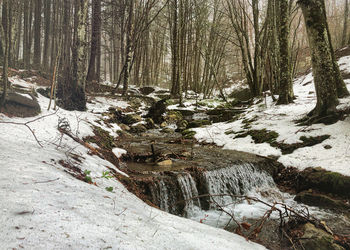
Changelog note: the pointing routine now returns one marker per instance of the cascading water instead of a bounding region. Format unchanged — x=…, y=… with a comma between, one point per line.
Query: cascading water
x=178, y=194
x=189, y=192
x=238, y=179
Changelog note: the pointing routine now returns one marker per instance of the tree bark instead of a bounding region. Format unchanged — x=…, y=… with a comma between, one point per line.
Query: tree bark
x=285, y=96
x=322, y=63
x=95, y=42
x=37, y=35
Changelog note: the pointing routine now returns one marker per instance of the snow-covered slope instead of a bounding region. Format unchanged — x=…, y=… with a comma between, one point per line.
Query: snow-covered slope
x=282, y=120
x=43, y=207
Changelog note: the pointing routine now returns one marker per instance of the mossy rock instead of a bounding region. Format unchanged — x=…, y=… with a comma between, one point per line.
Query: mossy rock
x=198, y=123
x=320, y=200
x=181, y=125
x=241, y=94
x=306, y=142
x=150, y=123
x=167, y=130
x=260, y=136
x=324, y=181
x=146, y=90
x=223, y=114
x=102, y=138
x=185, y=112
x=172, y=102
x=188, y=134
x=173, y=117
x=138, y=129
x=317, y=239
x=131, y=119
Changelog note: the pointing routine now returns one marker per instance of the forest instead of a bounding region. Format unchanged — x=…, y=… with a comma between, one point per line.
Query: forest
x=175, y=124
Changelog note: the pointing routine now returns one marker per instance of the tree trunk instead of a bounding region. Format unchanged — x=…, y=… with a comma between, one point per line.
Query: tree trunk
x=95, y=42
x=47, y=10
x=6, y=28
x=37, y=35
x=285, y=96
x=322, y=64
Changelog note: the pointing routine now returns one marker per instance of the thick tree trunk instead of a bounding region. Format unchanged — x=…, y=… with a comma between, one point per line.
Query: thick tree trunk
x=95, y=42
x=285, y=96
x=322, y=63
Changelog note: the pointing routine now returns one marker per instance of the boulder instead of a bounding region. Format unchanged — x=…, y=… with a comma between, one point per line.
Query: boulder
x=198, y=123
x=321, y=200
x=150, y=123
x=317, y=239
x=324, y=181
x=21, y=105
x=156, y=111
x=146, y=90
x=242, y=95
x=131, y=119
x=138, y=129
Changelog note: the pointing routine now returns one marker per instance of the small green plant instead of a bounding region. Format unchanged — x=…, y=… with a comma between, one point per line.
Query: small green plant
x=87, y=177
x=107, y=175
x=109, y=189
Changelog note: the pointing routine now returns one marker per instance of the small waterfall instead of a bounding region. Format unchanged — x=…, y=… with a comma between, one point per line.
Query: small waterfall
x=189, y=192
x=170, y=190
x=235, y=180
x=160, y=195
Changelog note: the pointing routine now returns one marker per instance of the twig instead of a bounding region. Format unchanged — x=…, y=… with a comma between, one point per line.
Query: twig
x=36, y=182
x=28, y=122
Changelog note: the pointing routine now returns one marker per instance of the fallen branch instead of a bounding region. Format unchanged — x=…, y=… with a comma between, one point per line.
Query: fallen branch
x=30, y=129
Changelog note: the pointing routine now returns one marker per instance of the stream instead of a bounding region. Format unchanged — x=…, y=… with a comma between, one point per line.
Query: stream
x=206, y=184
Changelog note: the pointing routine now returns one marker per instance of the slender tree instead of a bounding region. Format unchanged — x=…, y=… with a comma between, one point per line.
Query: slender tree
x=286, y=85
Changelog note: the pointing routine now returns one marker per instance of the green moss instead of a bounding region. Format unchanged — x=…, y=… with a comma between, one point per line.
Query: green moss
x=102, y=138
x=188, y=134
x=260, y=136
x=198, y=123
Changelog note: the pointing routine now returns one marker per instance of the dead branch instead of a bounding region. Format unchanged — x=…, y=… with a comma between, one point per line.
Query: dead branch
x=28, y=122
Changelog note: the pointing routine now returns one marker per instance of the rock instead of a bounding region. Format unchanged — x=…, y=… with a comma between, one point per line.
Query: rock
x=241, y=94
x=167, y=130
x=173, y=117
x=320, y=200
x=138, y=129
x=21, y=106
x=184, y=112
x=198, y=123
x=131, y=119
x=146, y=90
x=181, y=125
x=317, y=239
x=327, y=146
x=44, y=92
x=150, y=123
x=223, y=114
x=188, y=134
x=165, y=163
x=156, y=111
x=124, y=127
x=324, y=181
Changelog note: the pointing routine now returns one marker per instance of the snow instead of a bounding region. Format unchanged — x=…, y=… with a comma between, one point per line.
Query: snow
x=43, y=207
x=282, y=120
x=119, y=152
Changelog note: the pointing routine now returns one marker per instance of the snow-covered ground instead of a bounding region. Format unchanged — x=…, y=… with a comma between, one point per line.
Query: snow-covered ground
x=282, y=120
x=43, y=207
